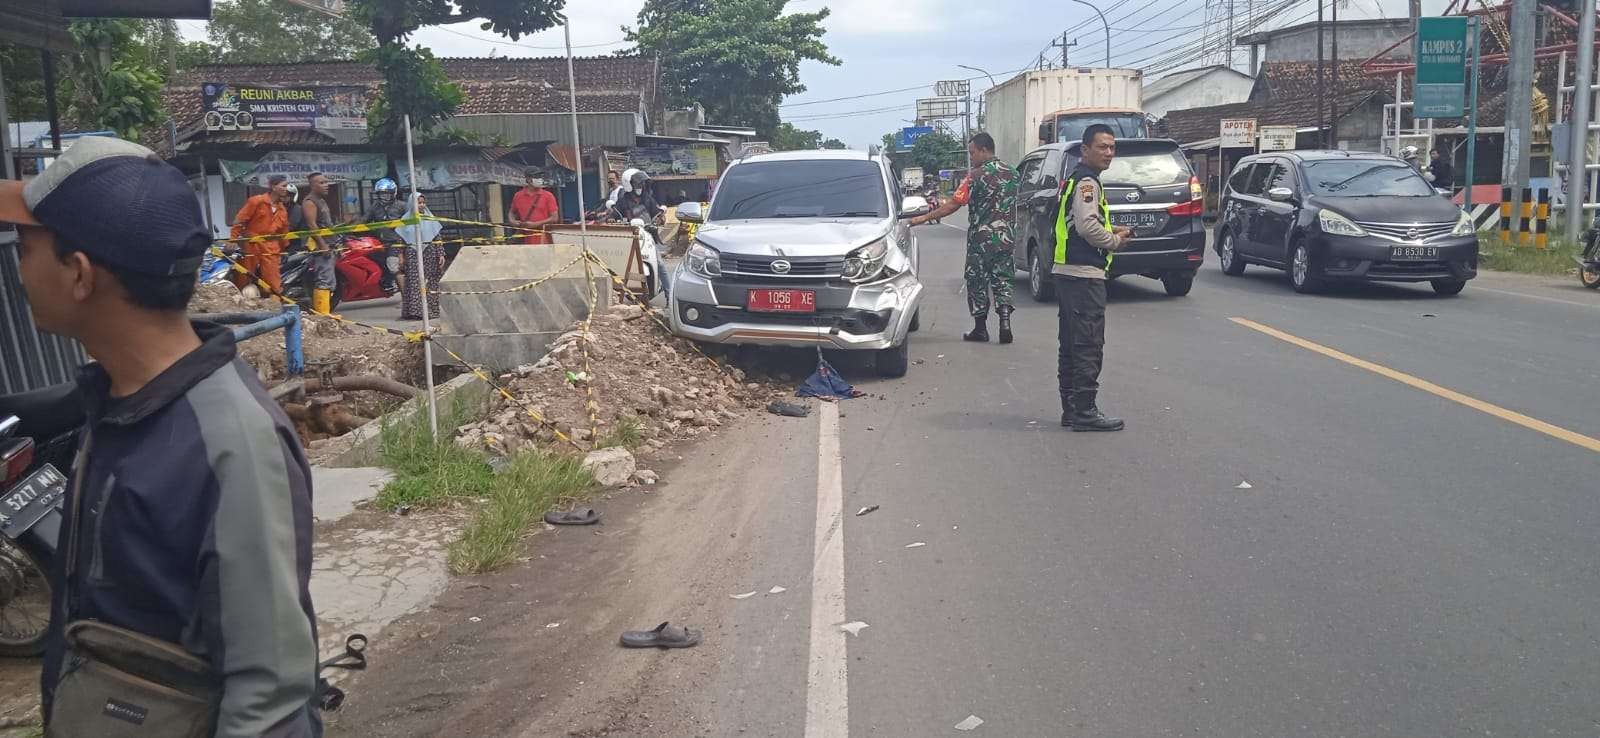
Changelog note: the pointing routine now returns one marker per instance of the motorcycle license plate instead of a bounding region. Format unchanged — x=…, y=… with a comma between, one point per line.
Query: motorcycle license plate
x=30, y=499
x=1414, y=253
x=783, y=301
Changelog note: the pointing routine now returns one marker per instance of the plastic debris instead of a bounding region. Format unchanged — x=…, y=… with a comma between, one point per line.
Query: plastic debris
x=971, y=723
x=865, y=510
x=474, y=619
x=552, y=625
x=853, y=628
x=777, y=590
x=918, y=544
x=744, y=596
x=1244, y=485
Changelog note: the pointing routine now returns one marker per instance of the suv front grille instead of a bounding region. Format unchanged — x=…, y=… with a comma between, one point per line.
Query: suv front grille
x=800, y=267
x=1408, y=231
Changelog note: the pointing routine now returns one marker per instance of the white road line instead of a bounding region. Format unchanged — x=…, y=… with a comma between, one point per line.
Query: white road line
x=1590, y=305
x=827, y=690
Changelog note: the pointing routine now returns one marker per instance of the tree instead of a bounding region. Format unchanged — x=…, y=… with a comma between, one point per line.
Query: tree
x=274, y=31
x=834, y=143
x=785, y=137
x=738, y=58
x=112, y=83
x=24, y=79
x=413, y=80
x=936, y=151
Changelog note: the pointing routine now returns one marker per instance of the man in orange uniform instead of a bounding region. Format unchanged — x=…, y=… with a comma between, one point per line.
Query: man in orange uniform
x=534, y=207
x=262, y=215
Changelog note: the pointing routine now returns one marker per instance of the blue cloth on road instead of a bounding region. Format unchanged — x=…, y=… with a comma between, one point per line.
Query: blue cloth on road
x=825, y=382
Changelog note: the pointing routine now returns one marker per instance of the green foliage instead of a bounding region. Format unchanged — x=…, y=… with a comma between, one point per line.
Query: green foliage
x=786, y=137
x=274, y=31
x=24, y=82
x=834, y=143
x=415, y=83
x=935, y=151
x=113, y=83
x=738, y=58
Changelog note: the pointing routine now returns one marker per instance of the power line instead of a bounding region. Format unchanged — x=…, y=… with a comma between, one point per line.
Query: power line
x=853, y=97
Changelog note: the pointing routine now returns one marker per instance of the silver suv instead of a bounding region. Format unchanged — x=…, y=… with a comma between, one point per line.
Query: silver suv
x=803, y=248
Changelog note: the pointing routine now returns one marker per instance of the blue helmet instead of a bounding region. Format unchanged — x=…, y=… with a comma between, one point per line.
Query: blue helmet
x=385, y=185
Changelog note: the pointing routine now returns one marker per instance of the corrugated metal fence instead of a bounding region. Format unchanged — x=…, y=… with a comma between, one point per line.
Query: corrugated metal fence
x=28, y=359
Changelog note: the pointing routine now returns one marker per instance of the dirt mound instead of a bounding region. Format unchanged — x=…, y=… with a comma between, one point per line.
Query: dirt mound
x=650, y=389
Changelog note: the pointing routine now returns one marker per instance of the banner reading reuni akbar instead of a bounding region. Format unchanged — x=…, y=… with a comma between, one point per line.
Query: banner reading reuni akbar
x=243, y=107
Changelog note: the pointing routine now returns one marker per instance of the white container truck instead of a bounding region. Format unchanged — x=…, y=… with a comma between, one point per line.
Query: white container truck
x=911, y=178
x=1050, y=105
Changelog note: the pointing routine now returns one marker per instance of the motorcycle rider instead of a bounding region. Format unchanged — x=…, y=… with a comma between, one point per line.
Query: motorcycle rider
x=635, y=200
x=189, y=520
x=386, y=205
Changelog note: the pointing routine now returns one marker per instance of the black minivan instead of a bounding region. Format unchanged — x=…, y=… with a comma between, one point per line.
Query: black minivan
x=1149, y=188
x=1342, y=215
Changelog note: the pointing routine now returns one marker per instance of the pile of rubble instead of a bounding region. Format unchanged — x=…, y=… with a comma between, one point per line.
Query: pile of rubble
x=659, y=386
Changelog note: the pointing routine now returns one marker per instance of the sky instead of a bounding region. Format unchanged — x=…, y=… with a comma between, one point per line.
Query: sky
x=889, y=45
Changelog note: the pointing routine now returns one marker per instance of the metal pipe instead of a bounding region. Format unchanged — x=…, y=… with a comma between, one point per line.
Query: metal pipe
x=422, y=282
x=1472, y=108
x=47, y=61
x=1579, y=128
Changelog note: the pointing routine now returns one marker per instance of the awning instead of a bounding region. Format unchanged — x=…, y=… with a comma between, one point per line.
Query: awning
x=564, y=155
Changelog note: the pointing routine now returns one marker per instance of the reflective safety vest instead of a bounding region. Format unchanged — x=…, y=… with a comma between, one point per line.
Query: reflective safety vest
x=1072, y=247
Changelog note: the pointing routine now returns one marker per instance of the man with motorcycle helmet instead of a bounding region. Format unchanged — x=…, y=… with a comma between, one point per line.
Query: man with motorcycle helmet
x=387, y=205
x=188, y=520
x=635, y=200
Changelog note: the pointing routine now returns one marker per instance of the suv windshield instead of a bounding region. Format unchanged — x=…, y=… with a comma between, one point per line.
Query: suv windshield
x=1366, y=178
x=1147, y=166
x=830, y=188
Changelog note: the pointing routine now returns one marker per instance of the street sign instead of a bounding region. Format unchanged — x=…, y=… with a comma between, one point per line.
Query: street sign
x=929, y=108
x=1238, y=133
x=1441, y=67
x=909, y=135
x=952, y=88
x=1277, y=138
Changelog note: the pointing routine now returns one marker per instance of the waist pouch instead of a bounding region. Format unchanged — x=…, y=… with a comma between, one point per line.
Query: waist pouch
x=116, y=683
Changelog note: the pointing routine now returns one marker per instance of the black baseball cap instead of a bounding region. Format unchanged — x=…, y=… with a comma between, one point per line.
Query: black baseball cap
x=116, y=201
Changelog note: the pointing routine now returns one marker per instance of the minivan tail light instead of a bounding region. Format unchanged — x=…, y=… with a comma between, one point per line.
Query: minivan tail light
x=1195, y=191
x=1192, y=207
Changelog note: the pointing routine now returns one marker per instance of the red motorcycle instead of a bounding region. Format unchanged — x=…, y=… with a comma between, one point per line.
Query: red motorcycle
x=359, y=270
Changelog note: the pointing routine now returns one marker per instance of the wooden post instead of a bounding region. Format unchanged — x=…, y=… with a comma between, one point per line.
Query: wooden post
x=497, y=209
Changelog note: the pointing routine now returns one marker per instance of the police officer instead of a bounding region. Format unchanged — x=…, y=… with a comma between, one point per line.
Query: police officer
x=1085, y=242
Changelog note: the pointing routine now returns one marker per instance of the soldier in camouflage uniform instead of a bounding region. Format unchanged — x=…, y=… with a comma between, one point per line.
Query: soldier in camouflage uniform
x=990, y=192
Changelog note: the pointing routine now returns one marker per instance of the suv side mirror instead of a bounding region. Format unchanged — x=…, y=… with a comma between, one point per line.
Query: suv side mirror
x=1280, y=194
x=690, y=212
x=913, y=206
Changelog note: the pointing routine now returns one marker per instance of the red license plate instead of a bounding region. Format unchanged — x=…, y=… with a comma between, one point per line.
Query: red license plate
x=783, y=301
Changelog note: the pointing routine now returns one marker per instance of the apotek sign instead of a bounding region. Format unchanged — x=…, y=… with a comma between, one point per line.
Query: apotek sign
x=1237, y=133
x=1441, y=67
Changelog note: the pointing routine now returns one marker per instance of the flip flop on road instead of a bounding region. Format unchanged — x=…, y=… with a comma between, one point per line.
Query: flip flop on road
x=779, y=407
x=664, y=635
x=584, y=516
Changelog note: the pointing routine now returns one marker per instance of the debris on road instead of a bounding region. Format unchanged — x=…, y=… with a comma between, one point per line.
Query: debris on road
x=474, y=619
x=788, y=409
x=552, y=625
x=665, y=635
x=918, y=544
x=853, y=628
x=825, y=383
x=744, y=596
x=868, y=509
x=645, y=476
x=971, y=723
x=1244, y=485
x=611, y=467
x=582, y=516
x=777, y=590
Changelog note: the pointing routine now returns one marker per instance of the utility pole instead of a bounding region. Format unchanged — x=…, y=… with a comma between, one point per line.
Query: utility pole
x=1064, y=44
x=1415, y=11
x=1322, y=83
x=1333, y=104
x=1519, y=106
x=966, y=124
x=1229, y=40
x=1578, y=125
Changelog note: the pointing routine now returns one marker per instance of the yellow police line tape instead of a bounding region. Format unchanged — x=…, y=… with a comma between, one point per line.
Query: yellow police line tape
x=411, y=336
x=380, y=225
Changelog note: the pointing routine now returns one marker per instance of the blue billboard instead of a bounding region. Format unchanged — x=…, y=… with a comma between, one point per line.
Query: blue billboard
x=910, y=134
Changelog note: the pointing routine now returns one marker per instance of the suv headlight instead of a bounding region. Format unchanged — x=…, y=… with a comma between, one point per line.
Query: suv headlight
x=864, y=264
x=1338, y=225
x=704, y=261
x=1464, y=226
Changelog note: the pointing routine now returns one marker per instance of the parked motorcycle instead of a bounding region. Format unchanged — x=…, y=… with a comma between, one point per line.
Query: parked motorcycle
x=359, y=271
x=38, y=440
x=1589, y=259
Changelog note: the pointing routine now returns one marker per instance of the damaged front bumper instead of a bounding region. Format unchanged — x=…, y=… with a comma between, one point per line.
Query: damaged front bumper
x=869, y=316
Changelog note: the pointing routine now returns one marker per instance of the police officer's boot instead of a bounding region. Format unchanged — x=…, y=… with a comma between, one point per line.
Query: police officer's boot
x=1005, y=323
x=1086, y=417
x=980, y=330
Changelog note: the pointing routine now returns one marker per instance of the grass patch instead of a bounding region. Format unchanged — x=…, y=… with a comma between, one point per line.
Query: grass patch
x=628, y=434
x=1500, y=256
x=431, y=473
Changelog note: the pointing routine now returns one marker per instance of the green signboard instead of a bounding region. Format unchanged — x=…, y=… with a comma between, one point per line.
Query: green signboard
x=1441, y=67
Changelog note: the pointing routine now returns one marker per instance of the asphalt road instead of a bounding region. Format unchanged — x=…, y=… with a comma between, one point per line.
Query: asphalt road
x=1366, y=513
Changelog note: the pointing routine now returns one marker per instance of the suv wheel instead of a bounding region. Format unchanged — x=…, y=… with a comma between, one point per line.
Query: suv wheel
x=1228, y=257
x=1040, y=288
x=1448, y=287
x=916, y=321
x=1301, y=268
x=1177, y=284
x=893, y=362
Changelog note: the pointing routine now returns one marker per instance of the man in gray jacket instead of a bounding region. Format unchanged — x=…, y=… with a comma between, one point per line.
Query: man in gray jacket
x=188, y=518
x=1085, y=244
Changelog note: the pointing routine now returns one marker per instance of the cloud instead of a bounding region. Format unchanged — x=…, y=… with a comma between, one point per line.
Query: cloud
x=881, y=17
